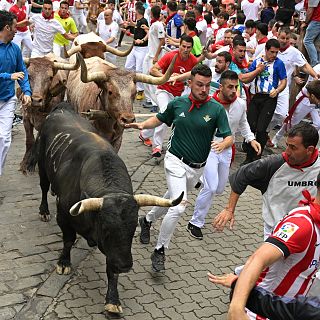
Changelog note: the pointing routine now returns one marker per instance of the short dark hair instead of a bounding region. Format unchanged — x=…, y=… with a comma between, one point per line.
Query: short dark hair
x=172, y=5
x=190, y=23
x=237, y=32
x=223, y=15
x=208, y=17
x=241, y=18
x=202, y=70
x=216, y=11
x=228, y=75
x=48, y=2
x=227, y=56
x=111, y=1
x=190, y=14
x=313, y=87
x=198, y=7
x=186, y=38
x=65, y=2
x=263, y=28
x=307, y=132
x=250, y=24
x=6, y=19
x=286, y=30
x=272, y=43
x=156, y=12
x=238, y=41
x=140, y=9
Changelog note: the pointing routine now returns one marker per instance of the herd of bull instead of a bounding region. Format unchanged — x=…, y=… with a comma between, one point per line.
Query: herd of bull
x=78, y=158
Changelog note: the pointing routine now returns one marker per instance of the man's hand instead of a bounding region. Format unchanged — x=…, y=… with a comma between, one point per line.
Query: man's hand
x=144, y=27
x=256, y=146
x=220, y=221
x=17, y=75
x=273, y=93
x=218, y=147
x=26, y=100
x=298, y=81
x=134, y=125
x=260, y=67
x=155, y=60
x=138, y=41
x=225, y=280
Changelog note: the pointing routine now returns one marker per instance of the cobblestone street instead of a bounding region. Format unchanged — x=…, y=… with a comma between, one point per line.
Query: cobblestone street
x=31, y=289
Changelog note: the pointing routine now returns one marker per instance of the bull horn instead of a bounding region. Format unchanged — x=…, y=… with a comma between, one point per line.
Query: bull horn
x=86, y=205
x=67, y=66
x=157, y=80
x=72, y=51
x=26, y=61
x=144, y=200
x=117, y=52
x=85, y=77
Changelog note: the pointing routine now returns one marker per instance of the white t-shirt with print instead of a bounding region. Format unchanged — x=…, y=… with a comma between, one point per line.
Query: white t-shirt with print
x=156, y=32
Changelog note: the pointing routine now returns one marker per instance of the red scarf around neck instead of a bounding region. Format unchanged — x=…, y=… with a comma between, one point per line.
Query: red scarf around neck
x=197, y=103
x=312, y=159
x=263, y=40
x=223, y=102
x=251, y=1
x=200, y=18
x=48, y=18
x=285, y=48
x=241, y=65
x=153, y=21
x=192, y=34
x=63, y=17
x=170, y=17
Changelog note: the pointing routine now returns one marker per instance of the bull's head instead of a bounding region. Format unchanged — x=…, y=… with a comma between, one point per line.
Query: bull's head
x=95, y=49
x=119, y=87
x=45, y=80
x=117, y=221
x=93, y=11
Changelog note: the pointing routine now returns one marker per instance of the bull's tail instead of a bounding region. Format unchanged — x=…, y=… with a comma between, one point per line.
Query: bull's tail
x=33, y=156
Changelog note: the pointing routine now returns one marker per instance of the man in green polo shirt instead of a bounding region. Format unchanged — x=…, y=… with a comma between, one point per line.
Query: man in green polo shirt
x=194, y=120
x=68, y=24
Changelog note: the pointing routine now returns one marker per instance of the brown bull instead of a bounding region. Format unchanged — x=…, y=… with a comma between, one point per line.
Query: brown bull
x=47, y=78
x=94, y=8
x=105, y=87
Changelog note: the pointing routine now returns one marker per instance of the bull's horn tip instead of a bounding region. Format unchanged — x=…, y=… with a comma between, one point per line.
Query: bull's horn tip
x=175, y=202
x=74, y=210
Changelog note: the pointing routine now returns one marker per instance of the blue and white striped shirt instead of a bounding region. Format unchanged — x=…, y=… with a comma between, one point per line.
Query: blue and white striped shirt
x=10, y=62
x=270, y=77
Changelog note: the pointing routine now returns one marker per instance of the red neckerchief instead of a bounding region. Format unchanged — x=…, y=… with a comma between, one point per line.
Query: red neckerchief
x=197, y=103
x=219, y=27
x=285, y=48
x=164, y=7
x=241, y=65
x=192, y=34
x=263, y=40
x=223, y=102
x=200, y=18
x=63, y=17
x=48, y=18
x=314, y=207
x=153, y=21
x=251, y=1
x=209, y=25
x=170, y=17
x=312, y=159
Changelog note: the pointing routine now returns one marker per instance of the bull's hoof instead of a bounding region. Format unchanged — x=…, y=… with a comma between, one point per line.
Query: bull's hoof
x=64, y=269
x=112, y=308
x=45, y=217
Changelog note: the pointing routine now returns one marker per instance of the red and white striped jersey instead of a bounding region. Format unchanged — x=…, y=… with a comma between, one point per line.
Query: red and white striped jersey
x=297, y=236
x=130, y=6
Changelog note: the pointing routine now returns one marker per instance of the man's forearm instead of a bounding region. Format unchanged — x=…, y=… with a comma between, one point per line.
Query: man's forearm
x=151, y=123
x=248, y=77
x=309, y=14
x=233, y=200
x=282, y=85
x=309, y=70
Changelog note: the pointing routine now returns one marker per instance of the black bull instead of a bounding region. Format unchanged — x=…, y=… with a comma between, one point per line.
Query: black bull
x=94, y=193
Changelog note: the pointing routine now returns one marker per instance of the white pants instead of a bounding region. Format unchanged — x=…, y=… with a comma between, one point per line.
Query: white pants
x=6, y=118
x=81, y=22
x=214, y=179
x=149, y=89
x=134, y=62
x=281, y=111
x=59, y=50
x=163, y=97
x=23, y=38
x=301, y=111
x=37, y=53
x=180, y=177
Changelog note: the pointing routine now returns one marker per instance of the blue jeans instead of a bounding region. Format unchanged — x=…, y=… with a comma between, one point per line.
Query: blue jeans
x=312, y=32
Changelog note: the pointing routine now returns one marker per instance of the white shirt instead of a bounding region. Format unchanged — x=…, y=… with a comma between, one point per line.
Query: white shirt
x=251, y=10
x=5, y=5
x=156, y=32
x=44, y=32
x=237, y=118
x=202, y=27
x=107, y=31
x=77, y=12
